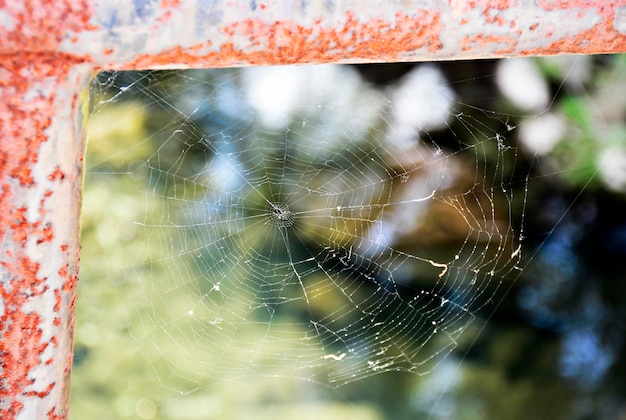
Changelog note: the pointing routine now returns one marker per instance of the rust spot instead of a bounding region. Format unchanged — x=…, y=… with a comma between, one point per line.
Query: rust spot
x=23, y=174
x=168, y=4
x=40, y=394
x=56, y=175
x=56, y=416
x=46, y=234
x=57, y=300
x=468, y=43
x=63, y=270
x=70, y=279
x=19, y=225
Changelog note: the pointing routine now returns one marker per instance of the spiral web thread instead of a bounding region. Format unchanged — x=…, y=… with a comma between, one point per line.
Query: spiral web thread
x=329, y=240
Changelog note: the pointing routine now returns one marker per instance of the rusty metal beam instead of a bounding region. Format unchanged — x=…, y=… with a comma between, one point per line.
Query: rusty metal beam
x=49, y=48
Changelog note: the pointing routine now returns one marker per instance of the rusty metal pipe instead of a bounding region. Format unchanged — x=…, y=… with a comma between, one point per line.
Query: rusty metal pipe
x=49, y=48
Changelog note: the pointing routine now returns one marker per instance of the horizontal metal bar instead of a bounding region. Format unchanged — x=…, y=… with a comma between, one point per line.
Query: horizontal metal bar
x=49, y=48
x=149, y=34
x=356, y=31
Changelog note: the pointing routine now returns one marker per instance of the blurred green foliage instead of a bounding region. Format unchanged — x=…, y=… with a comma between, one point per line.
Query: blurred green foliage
x=127, y=354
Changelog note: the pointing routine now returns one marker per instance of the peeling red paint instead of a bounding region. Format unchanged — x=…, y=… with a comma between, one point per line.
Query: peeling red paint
x=21, y=346
x=283, y=42
x=258, y=40
x=52, y=416
x=600, y=37
x=29, y=56
x=70, y=280
x=46, y=234
x=57, y=300
x=470, y=43
x=56, y=175
x=40, y=394
x=23, y=228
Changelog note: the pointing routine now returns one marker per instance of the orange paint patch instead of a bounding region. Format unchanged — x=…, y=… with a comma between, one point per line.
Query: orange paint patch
x=46, y=234
x=56, y=175
x=470, y=43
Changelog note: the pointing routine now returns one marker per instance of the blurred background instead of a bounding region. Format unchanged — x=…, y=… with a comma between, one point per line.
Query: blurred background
x=546, y=138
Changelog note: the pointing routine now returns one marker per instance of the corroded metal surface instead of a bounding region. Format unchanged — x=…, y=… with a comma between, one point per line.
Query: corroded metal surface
x=40, y=176
x=191, y=33
x=49, y=48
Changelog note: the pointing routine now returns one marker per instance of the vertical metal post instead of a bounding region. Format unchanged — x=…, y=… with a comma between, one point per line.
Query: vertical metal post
x=40, y=187
x=48, y=48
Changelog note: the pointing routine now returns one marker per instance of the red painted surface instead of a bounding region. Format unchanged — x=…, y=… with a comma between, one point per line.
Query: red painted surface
x=32, y=70
x=601, y=38
x=29, y=59
x=260, y=40
x=284, y=42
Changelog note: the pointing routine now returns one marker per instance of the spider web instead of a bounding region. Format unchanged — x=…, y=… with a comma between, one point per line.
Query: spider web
x=300, y=222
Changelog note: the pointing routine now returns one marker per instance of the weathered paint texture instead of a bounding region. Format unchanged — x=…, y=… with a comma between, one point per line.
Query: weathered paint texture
x=255, y=32
x=48, y=48
x=40, y=152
